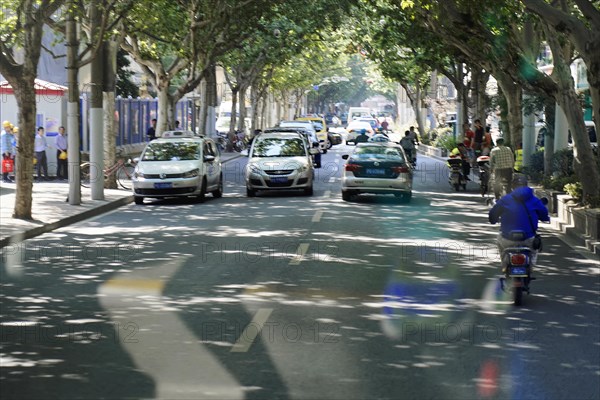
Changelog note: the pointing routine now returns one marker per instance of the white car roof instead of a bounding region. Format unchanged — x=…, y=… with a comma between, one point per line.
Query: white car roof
x=359, y=124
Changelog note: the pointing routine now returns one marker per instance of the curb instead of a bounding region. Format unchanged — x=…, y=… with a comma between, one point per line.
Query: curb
x=73, y=219
x=93, y=212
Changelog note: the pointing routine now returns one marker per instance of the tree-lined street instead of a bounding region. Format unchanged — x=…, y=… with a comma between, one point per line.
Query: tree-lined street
x=289, y=296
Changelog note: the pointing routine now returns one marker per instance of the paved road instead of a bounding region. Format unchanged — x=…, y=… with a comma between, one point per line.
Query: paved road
x=287, y=296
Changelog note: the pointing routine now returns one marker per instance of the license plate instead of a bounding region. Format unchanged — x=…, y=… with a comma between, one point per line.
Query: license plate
x=375, y=171
x=163, y=185
x=517, y=271
x=279, y=179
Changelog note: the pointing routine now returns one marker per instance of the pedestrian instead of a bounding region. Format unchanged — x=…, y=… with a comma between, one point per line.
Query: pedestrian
x=487, y=143
x=177, y=125
x=151, y=133
x=502, y=162
x=61, y=155
x=519, y=157
x=468, y=136
x=7, y=148
x=478, y=138
x=40, y=146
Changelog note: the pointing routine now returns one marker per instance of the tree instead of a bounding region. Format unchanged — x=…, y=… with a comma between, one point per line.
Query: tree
x=21, y=30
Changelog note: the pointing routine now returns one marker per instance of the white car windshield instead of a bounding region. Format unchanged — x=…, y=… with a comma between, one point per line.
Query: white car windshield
x=177, y=151
x=275, y=147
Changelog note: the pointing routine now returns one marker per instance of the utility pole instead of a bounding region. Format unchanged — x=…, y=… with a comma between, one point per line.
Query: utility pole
x=96, y=111
x=73, y=106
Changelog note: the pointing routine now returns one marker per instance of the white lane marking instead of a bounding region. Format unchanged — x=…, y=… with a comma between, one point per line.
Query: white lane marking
x=332, y=179
x=251, y=331
x=327, y=193
x=317, y=216
x=302, y=249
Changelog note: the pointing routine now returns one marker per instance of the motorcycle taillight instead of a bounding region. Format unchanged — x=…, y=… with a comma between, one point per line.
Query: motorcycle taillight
x=518, y=259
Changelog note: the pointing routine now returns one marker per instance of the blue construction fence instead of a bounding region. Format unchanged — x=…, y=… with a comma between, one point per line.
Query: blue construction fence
x=133, y=117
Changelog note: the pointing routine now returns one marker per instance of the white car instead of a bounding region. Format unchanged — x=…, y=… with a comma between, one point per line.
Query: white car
x=279, y=161
x=355, y=128
x=178, y=164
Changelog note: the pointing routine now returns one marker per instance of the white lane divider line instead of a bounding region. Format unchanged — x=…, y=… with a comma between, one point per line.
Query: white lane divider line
x=332, y=179
x=302, y=249
x=251, y=331
x=327, y=193
x=317, y=216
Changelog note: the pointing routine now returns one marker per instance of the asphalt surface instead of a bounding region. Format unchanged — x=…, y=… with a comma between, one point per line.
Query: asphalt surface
x=285, y=296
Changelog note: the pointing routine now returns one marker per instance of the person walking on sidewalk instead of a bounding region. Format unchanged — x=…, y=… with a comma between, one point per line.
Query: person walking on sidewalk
x=151, y=133
x=7, y=148
x=40, y=146
x=502, y=162
x=61, y=146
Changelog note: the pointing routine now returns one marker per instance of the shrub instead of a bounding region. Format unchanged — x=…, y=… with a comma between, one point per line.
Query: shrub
x=575, y=190
x=562, y=162
x=535, y=169
x=558, y=182
x=444, y=139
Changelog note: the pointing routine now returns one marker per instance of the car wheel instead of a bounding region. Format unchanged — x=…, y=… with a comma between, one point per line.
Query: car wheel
x=308, y=191
x=138, y=200
x=325, y=151
x=329, y=143
x=346, y=196
x=202, y=195
x=250, y=192
x=219, y=192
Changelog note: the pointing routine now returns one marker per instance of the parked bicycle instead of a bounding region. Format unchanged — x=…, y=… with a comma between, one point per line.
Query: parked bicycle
x=122, y=169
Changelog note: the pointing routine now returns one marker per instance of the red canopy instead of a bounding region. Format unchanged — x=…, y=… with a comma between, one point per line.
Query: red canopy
x=41, y=88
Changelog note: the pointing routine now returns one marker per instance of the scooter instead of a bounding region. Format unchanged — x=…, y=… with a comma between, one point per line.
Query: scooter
x=456, y=177
x=518, y=261
x=484, y=174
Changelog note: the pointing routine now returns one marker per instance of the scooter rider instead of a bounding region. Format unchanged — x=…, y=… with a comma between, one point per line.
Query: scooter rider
x=518, y=213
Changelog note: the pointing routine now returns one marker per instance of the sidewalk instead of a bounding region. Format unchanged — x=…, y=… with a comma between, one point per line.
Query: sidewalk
x=50, y=210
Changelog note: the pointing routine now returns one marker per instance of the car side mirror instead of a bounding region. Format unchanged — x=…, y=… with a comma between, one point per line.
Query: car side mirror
x=136, y=160
x=345, y=156
x=209, y=158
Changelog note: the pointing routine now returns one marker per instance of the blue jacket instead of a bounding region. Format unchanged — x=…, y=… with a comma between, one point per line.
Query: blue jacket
x=519, y=211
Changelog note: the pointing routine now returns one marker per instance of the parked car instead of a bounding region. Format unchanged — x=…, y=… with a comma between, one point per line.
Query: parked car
x=354, y=129
x=178, y=164
x=379, y=168
x=279, y=161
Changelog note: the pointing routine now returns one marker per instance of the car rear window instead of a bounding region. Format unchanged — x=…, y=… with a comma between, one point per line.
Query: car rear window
x=378, y=152
x=276, y=147
x=171, y=152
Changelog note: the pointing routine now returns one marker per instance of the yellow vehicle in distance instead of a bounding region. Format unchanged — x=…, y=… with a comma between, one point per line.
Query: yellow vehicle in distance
x=321, y=128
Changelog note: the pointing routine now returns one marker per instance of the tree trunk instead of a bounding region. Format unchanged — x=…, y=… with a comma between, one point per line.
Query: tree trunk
x=163, y=107
x=514, y=102
x=26, y=101
x=110, y=133
x=550, y=116
x=234, y=108
x=242, y=123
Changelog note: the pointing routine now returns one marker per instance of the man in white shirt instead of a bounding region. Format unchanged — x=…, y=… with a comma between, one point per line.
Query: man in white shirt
x=40, y=147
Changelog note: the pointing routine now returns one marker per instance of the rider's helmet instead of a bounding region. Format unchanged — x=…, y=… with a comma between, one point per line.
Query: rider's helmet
x=363, y=131
x=519, y=180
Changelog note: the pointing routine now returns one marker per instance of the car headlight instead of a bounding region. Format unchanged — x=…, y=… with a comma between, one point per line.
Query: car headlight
x=192, y=174
x=254, y=169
